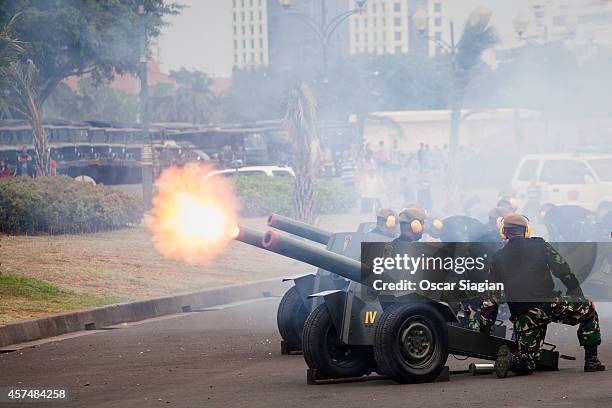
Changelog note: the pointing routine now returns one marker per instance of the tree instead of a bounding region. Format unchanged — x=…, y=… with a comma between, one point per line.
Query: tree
x=194, y=100
x=301, y=120
x=11, y=50
x=162, y=102
x=18, y=91
x=24, y=99
x=92, y=101
x=66, y=38
x=189, y=100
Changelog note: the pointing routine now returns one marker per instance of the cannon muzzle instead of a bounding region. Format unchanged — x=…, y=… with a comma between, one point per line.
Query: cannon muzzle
x=300, y=229
x=250, y=236
x=313, y=255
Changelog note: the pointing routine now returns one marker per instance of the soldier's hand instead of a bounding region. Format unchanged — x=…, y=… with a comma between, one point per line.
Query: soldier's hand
x=576, y=292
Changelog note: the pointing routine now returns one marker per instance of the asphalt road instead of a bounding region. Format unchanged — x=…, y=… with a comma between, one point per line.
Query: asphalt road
x=231, y=358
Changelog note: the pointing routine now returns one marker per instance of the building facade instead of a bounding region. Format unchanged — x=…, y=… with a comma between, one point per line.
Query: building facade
x=291, y=38
x=250, y=33
x=581, y=24
x=387, y=27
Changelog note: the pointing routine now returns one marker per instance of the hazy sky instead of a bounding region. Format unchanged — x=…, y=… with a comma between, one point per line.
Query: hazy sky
x=201, y=36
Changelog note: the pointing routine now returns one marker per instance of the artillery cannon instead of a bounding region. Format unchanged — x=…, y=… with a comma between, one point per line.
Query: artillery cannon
x=301, y=229
x=352, y=333
x=296, y=303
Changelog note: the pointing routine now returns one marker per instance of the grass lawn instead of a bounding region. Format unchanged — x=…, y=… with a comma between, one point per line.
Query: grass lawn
x=22, y=298
x=70, y=272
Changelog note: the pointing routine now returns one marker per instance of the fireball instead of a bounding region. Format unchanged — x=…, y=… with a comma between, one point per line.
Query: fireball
x=193, y=218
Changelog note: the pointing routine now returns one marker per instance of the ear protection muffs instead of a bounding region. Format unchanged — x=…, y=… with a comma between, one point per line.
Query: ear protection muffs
x=438, y=224
x=502, y=234
x=501, y=230
x=390, y=223
x=500, y=223
x=416, y=226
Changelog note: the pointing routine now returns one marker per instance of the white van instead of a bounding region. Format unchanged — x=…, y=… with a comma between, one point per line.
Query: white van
x=577, y=179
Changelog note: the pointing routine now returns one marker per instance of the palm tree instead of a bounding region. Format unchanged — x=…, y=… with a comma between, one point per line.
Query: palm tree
x=300, y=121
x=25, y=100
x=19, y=92
x=162, y=103
x=194, y=101
x=10, y=51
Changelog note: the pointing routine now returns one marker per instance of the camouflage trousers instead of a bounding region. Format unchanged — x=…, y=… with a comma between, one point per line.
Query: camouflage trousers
x=530, y=328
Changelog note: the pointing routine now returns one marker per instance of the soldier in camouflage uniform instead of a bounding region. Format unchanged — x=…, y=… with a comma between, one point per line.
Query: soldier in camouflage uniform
x=524, y=266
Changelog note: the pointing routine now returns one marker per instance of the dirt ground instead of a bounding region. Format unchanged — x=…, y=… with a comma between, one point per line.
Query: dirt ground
x=123, y=265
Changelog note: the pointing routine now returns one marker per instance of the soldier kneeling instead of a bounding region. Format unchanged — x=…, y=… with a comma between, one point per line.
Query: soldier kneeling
x=524, y=265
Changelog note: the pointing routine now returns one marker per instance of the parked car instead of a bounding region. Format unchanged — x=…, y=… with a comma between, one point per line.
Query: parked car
x=566, y=179
x=272, y=171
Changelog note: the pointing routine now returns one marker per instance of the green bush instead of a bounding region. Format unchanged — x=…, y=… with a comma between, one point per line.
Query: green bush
x=262, y=195
x=60, y=205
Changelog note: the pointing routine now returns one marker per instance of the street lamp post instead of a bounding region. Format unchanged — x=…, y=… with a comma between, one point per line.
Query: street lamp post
x=323, y=29
x=147, y=151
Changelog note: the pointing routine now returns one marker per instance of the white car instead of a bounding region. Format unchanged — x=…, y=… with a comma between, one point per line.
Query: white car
x=578, y=179
x=272, y=171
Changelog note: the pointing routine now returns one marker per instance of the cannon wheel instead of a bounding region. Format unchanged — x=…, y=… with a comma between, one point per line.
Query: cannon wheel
x=290, y=317
x=411, y=343
x=324, y=351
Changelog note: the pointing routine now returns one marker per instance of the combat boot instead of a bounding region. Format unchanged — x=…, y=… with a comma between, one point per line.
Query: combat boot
x=507, y=361
x=591, y=362
x=504, y=362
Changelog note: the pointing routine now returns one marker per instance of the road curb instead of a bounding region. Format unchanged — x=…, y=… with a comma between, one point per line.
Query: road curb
x=104, y=316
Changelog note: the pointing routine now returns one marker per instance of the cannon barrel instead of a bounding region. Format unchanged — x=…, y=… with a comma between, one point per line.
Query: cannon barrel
x=250, y=236
x=313, y=255
x=300, y=229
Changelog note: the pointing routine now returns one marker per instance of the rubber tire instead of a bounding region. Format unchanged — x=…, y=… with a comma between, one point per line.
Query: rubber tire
x=387, y=352
x=290, y=318
x=318, y=330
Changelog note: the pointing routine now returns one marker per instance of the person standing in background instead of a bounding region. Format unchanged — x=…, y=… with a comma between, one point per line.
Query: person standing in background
x=3, y=173
x=328, y=163
x=347, y=169
x=227, y=156
x=53, y=167
x=381, y=158
x=23, y=163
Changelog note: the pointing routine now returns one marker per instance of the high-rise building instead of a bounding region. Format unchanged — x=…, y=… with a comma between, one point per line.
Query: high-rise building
x=250, y=33
x=387, y=27
x=580, y=24
x=290, y=36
